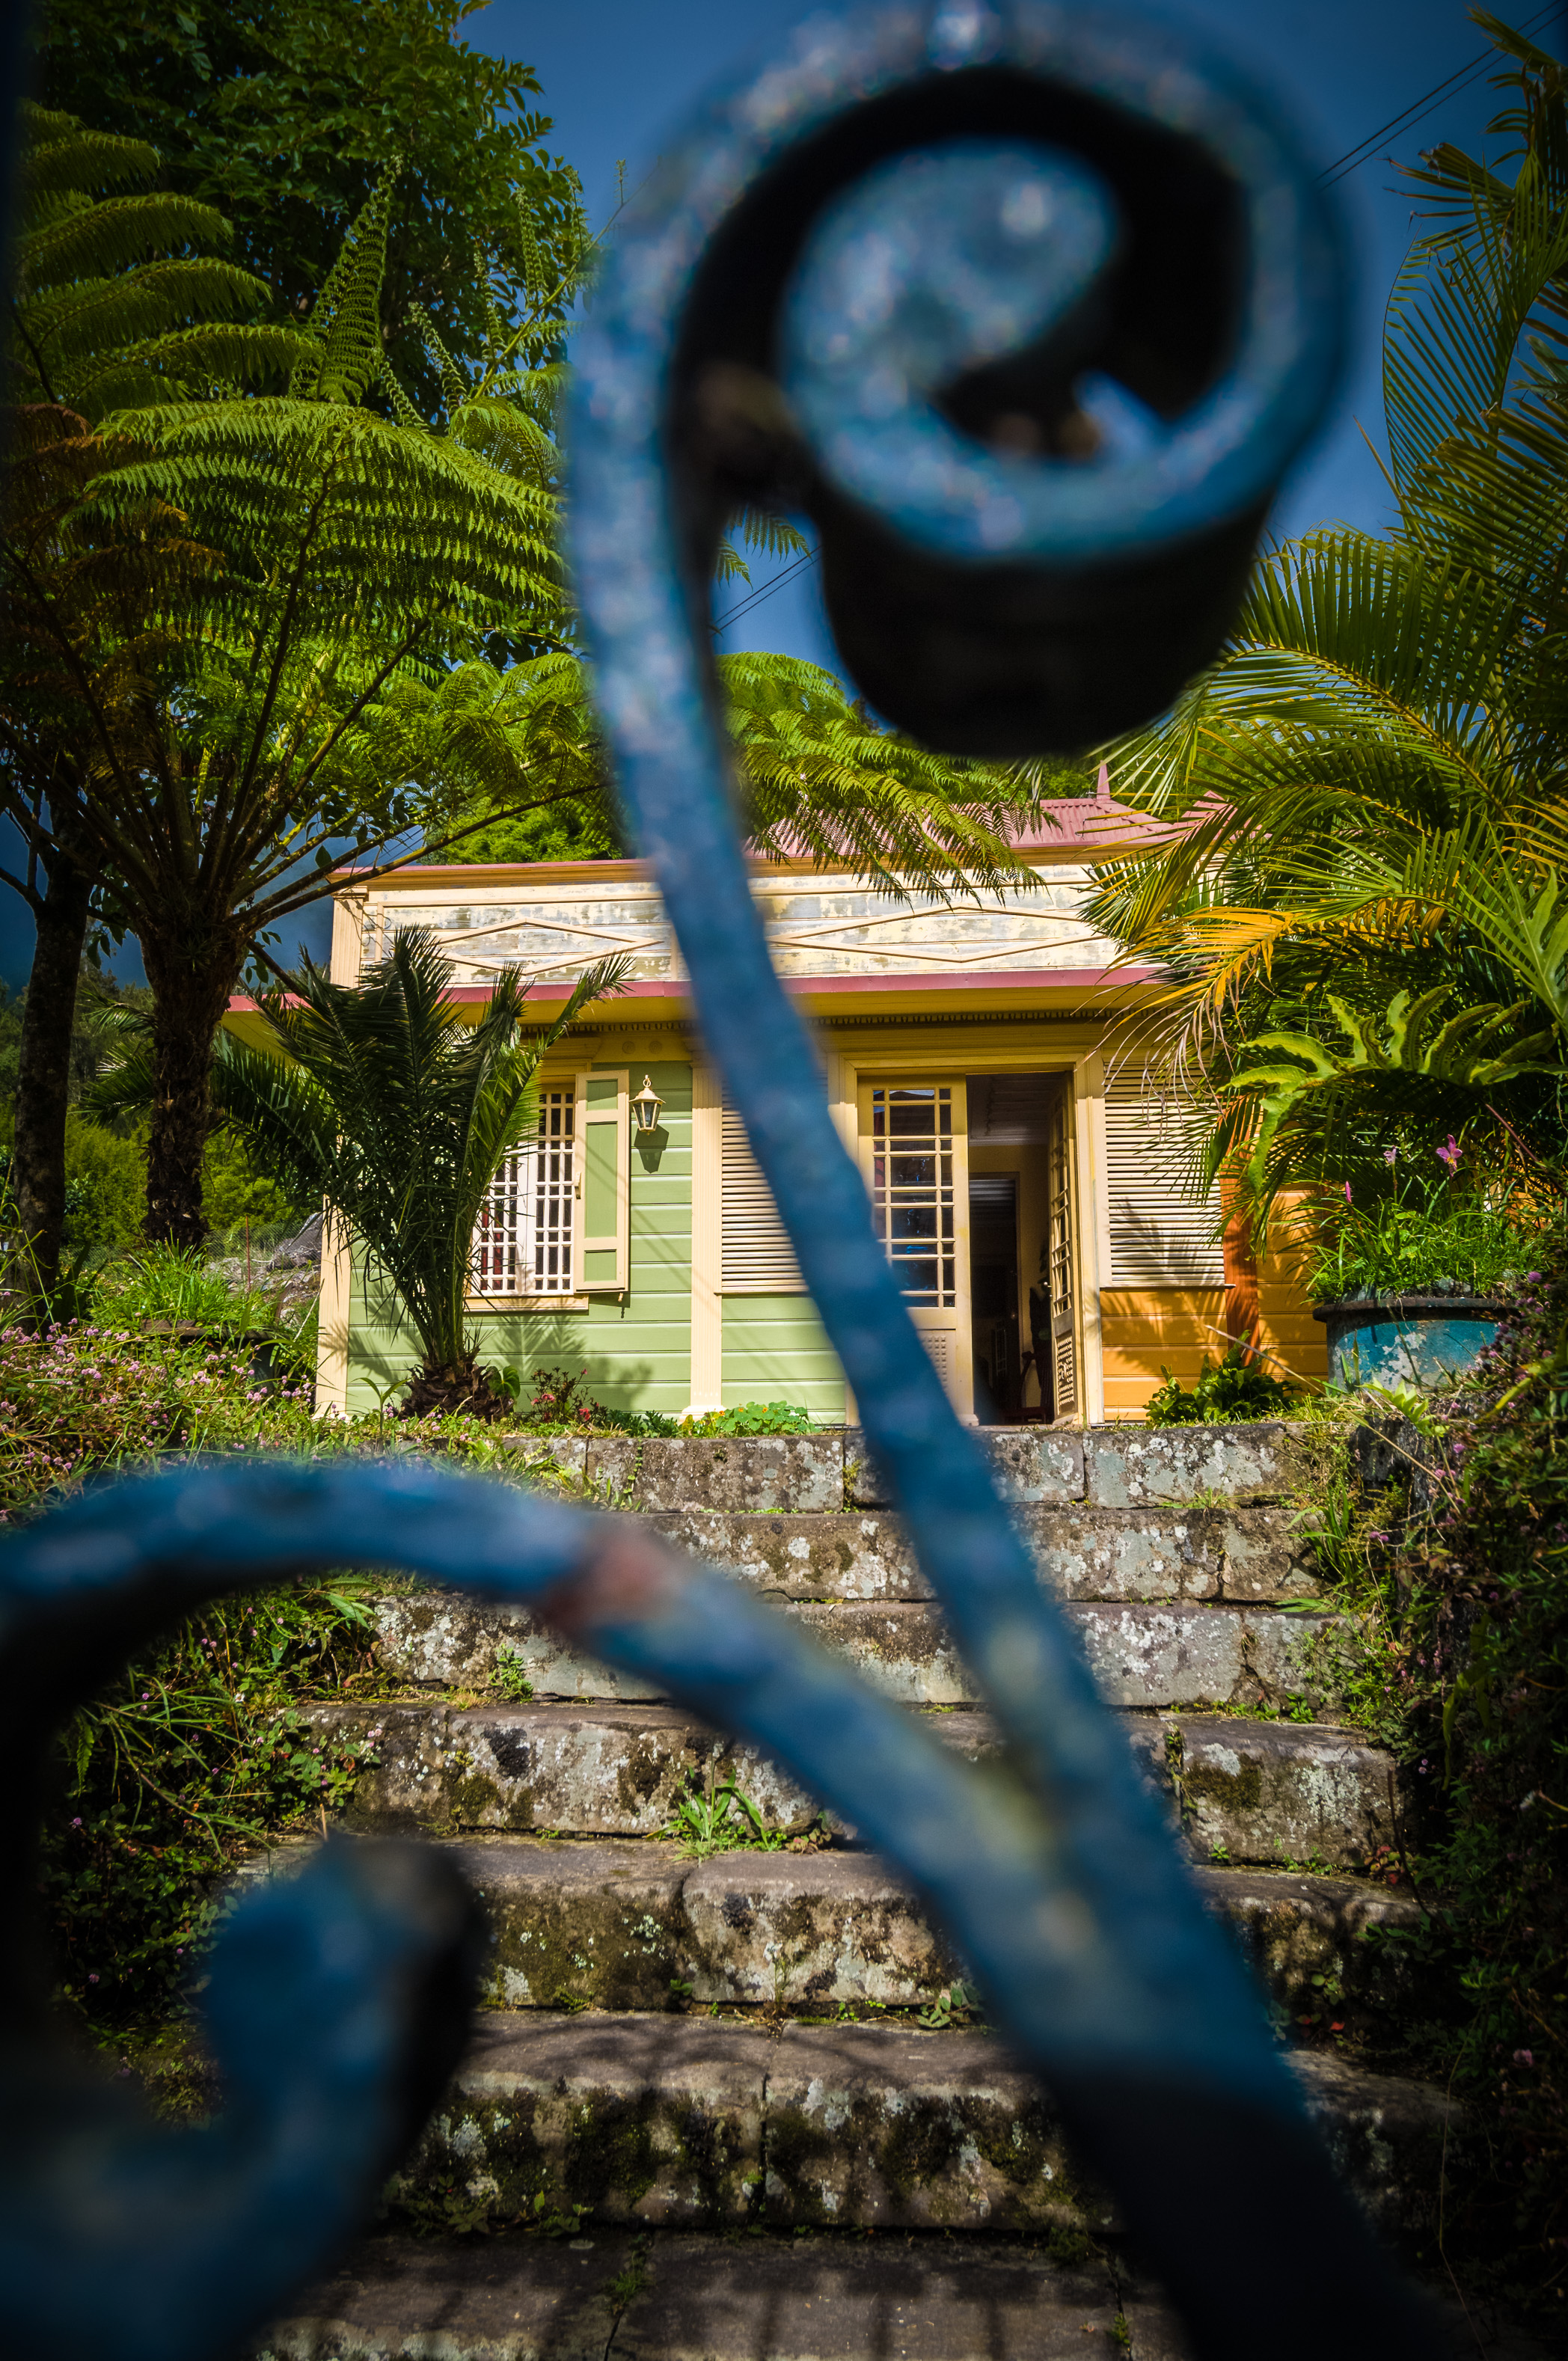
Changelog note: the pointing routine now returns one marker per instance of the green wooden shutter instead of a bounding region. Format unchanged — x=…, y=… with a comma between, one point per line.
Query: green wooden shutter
x=604, y=1188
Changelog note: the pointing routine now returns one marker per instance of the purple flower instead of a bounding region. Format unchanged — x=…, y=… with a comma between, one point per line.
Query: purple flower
x=1389, y=1154
x=1347, y=1195
x=1524, y=2057
x=1449, y=1154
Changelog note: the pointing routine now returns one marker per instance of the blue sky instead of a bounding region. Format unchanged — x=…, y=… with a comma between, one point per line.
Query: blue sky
x=618, y=74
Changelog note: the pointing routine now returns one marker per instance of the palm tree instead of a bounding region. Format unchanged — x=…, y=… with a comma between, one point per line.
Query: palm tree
x=1358, y=911
x=384, y=1100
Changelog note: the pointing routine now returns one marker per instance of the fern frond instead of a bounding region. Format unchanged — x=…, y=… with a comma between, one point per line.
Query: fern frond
x=454, y=386
x=345, y=319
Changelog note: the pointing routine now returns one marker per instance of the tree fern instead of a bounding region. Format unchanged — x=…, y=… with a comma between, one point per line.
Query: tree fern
x=106, y=311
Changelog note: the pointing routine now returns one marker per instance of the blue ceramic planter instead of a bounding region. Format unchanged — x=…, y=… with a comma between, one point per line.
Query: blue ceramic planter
x=1407, y=1340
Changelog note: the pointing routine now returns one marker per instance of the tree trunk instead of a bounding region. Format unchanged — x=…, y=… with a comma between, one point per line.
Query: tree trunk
x=190, y=997
x=38, y=1162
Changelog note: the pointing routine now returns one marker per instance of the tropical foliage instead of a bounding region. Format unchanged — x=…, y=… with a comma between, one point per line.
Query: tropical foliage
x=309, y=553
x=1359, y=912
x=389, y=1105
x=111, y=310
x=282, y=115
x=821, y=778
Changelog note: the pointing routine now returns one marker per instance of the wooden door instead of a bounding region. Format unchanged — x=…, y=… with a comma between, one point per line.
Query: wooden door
x=1062, y=1220
x=914, y=1137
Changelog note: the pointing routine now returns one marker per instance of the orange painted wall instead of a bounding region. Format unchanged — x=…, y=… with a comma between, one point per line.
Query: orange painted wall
x=1149, y=1329
x=1144, y=1329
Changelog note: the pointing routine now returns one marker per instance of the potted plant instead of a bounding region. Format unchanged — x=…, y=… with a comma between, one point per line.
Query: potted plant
x=1410, y=1285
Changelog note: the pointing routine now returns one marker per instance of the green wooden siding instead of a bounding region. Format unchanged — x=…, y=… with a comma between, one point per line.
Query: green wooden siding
x=776, y=1350
x=637, y=1353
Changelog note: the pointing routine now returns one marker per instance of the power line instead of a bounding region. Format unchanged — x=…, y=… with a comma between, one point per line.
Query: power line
x=755, y=598
x=1461, y=76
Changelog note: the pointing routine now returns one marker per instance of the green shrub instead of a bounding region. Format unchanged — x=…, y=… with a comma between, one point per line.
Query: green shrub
x=1238, y=1387
x=202, y=1749
x=750, y=1417
x=198, y=1751
x=235, y=1189
x=105, y=1186
x=558, y=1404
x=1453, y=1651
x=167, y=1283
x=1424, y=1235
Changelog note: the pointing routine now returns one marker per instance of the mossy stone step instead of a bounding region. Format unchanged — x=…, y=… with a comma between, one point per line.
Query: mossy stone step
x=659, y=2296
x=639, y=1925
x=1255, y=1555
x=1110, y=1466
x=1256, y=1791
x=691, y=2123
x=623, y=1926
x=1148, y=1657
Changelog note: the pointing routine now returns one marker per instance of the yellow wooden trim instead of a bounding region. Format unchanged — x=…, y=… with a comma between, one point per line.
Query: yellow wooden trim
x=1088, y=1190
x=707, y=1240
x=332, y=1320
x=348, y=909
x=483, y=1305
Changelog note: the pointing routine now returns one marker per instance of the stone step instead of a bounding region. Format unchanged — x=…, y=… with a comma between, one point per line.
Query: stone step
x=1255, y=1791
x=620, y=2294
x=627, y=1924
x=624, y=2294
x=1143, y=1657
x=1253, y=1556
x=1116, y=1467
x=693, y=2123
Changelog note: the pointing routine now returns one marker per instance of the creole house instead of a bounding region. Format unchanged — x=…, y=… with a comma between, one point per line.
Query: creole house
x=1021, y=1171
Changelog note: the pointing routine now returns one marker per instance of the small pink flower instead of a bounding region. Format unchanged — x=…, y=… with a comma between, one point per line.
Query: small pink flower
x=1348, y=1199
x=1524, y=2057
x=1389, y=1155
x=1449, y=1153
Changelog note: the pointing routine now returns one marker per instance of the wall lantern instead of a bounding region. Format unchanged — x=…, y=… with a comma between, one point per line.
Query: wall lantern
x=645, y=1106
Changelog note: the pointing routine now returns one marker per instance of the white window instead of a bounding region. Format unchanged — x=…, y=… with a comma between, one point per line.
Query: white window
x=913, y=1195
x=555, y=1220
x=524, y=1237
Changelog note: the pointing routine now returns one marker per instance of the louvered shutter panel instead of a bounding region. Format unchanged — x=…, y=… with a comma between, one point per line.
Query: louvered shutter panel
x=756, y=1256
x=1159, y=1238
x=604, y=1190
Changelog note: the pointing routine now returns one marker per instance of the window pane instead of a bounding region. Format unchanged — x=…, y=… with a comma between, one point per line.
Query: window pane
x=522, y=1240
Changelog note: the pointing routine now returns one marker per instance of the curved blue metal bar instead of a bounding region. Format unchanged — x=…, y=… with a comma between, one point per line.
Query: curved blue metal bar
x=1109, y=334
x=637, y=557
x=331, y=1999
x=787, y=309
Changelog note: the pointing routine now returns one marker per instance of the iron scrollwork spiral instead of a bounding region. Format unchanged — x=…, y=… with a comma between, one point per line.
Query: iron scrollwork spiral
x=1031, y=310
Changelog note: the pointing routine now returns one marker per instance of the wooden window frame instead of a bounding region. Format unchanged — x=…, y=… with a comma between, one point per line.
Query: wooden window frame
x=599, y=1116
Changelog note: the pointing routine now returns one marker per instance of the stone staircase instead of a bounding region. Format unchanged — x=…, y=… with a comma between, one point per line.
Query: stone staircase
x=755, y=2043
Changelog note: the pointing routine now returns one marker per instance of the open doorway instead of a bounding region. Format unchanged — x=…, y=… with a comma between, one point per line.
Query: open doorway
x=1021, y=1288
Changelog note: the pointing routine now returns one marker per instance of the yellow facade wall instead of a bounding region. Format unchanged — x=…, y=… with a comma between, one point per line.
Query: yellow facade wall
x=1147, y=1329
